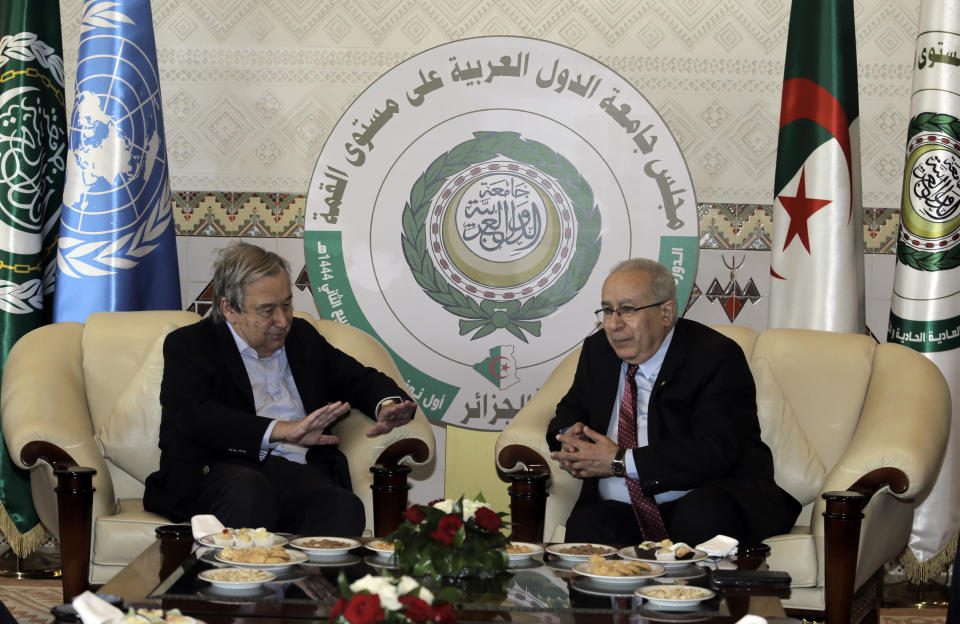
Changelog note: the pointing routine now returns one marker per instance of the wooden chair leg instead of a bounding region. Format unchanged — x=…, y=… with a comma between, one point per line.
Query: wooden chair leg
x=841, y=526
x=390, y=489
x=528, y=505
x=74, y=514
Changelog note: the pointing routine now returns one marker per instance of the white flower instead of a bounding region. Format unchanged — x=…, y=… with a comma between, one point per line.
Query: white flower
x=409, y=585
x=381, y=586
x=426, y=595
x=446, y=505
x=470, y=508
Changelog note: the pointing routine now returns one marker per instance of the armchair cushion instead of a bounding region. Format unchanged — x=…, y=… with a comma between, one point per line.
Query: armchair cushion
x=129, y=434
x=797, y=467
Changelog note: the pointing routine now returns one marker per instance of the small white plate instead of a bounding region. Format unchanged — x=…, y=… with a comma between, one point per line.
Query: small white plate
x=382, y=552
x=670, y=603
x=655, y=570
x=296, y=556
x=333, y=562
x=207, y=540
x=303, y=543
x=265, y=576
x=533, y=549
x=628, y=552
x=558, y=550
x=589, y=586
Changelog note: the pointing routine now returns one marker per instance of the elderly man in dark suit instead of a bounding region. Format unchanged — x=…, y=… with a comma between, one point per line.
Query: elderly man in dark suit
x=247, y=397
x=661, y=424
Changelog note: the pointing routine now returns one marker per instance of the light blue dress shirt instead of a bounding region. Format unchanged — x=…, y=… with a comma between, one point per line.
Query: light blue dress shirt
x=275, y=396
x=614, y=488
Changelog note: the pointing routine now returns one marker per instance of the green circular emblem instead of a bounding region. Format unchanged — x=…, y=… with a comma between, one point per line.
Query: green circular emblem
x=491, y=230
x=930, y=205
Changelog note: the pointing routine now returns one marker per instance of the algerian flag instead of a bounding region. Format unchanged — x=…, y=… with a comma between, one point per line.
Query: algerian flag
x=925, y=308
x=816, y=265
x=32, y=146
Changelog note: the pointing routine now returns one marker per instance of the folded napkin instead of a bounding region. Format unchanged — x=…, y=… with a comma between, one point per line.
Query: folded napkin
x=719, y=546
x=205, y=524
x=94, y=610
x=751, y=619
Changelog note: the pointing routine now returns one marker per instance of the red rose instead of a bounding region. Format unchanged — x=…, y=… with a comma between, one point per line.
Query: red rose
x=416, y=609
x=486, y=519
x=447, y=527
x=413, y=514
x=443, y=614
x=364, y=609
x=435, y=501
x=338, y=608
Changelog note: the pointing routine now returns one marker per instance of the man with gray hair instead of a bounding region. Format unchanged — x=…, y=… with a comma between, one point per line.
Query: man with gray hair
x=661, y=424
x=247, y=396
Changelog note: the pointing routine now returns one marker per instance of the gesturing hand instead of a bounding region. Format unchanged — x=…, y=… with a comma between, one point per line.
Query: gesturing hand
x=392, y=416
x=309, y=429
x=585, y=453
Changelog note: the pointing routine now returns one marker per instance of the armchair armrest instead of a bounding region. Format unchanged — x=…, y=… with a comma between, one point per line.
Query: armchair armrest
x=523, y=456
x=42, y=400
x=384, y=491
x=891, y=459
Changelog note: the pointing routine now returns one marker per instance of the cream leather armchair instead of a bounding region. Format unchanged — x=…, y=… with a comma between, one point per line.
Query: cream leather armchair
x=839, y=412
x=87, y=395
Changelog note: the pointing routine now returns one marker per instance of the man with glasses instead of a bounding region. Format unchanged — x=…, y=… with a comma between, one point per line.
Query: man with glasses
x=247, y=396
x=661, y=425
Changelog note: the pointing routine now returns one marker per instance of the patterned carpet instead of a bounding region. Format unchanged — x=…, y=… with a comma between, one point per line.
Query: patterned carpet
x=30, y=601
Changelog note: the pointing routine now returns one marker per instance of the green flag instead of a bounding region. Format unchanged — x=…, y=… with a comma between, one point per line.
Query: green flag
x=32, y=150
x=816, y=262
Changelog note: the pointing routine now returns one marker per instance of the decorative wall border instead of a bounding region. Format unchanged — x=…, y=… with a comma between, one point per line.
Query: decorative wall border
x=281, y=215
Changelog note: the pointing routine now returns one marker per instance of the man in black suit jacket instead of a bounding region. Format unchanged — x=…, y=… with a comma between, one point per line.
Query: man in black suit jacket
x=700, y=457
x=247, y=395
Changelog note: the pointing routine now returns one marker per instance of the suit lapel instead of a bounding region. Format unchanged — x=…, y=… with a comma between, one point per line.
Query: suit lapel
x=233, y=363
x=673, y=363
x=608, y=379
x=296, y=356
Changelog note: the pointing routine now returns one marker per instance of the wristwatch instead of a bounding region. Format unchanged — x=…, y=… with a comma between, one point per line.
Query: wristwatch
x=619, y=467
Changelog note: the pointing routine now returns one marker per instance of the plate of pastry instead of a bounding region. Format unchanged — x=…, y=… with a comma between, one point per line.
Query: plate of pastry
x=522, y=551
x=243, y=538
x=236, y=579
x=617, y=571
x=674, y=596
x=260, y=557
x=664, y=553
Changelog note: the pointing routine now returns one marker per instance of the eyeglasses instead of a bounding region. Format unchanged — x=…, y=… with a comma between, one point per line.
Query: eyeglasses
x=625, y=312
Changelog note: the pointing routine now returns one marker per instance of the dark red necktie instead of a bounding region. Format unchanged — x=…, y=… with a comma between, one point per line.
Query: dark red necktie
x=644, y=507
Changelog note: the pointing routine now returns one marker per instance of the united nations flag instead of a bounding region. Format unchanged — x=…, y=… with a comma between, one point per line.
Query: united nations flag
x=117, y=249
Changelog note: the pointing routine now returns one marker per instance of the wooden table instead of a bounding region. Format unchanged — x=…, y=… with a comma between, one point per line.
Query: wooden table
x=164, y=576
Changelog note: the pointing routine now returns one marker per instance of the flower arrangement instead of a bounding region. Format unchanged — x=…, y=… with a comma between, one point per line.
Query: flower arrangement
x=451, y=538
x=392, y=600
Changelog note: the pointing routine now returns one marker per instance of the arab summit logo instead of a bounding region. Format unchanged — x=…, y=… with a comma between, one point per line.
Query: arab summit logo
x=490, y=233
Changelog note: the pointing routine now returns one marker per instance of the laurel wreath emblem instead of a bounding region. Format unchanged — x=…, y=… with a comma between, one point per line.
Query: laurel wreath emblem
x=485, y=316
x=76, y=257
x=919, y=259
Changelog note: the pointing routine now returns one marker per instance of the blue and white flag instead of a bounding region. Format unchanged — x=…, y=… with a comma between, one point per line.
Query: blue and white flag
x=117, y=247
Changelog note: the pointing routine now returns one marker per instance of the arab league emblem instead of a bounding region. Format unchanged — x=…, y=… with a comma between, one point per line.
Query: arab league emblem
x=494, y=243
x=468, y=204
x=930, y=206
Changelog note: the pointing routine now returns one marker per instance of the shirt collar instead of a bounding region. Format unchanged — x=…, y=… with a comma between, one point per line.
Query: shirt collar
x=651, y=368
x=248, y=351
